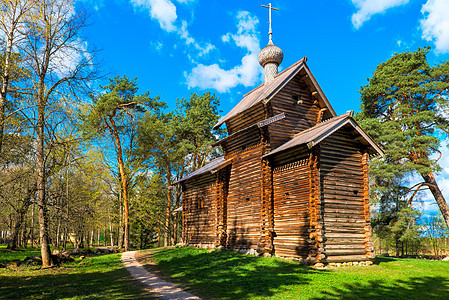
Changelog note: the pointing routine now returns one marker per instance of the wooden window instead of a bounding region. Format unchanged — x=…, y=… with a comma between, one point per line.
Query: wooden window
x=296, y=99
x=200, y=202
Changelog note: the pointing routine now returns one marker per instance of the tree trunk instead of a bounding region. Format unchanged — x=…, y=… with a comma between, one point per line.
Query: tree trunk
x=167, y=220
x=159, y=237
x=41, y=200
x=397, y=247
x=439, y=198
x=64, y=238
x=25, y=231
x=167, y=216
x=121, y=167
x=110, y=229
x=5, y=82
x=21, y=213
x=32, y=226
x=58, y=233
x=120, y=229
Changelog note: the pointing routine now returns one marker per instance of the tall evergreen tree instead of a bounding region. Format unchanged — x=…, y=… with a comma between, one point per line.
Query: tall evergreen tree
x=176, y=142
x=116, y=113
x=404, y=108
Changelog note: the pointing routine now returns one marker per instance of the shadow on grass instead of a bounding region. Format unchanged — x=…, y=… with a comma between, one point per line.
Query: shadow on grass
x=8, y=255
x=384, y=260
x=102, y=280
x=411, y=288
x=227, y=275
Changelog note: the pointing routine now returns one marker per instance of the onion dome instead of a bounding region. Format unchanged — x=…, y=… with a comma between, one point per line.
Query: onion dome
x=270, y=54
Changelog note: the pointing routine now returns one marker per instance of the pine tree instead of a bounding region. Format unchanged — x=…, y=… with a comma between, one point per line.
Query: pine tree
x=404, y=109
x=115, y=112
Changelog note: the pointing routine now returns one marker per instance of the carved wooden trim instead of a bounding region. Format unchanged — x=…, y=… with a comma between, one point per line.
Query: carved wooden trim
x=366, y=206
x=316, y=236
x=222, y=183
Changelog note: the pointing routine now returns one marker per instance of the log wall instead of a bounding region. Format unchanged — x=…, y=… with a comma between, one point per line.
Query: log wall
x=291, y=209
x=238, y=144
x=298, y=117
x=244, y=202
x=199, y=202
x=246, y=119
x=343, y=193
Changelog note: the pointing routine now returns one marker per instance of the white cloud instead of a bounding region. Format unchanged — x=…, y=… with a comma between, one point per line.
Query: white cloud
x=247, y=73
x=156, y=45
x=368, y=8
x=68, y=58
x=96, y=4
x=164, y=11
x=202, y=49
x=435, y=24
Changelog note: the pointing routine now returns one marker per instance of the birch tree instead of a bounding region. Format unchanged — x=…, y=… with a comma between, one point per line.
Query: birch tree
x=60, y=68
x=13, y=16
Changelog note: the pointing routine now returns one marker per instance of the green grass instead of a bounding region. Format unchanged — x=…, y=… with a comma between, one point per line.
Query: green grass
x=228, y=275
x=8, y=255
x=97, y=277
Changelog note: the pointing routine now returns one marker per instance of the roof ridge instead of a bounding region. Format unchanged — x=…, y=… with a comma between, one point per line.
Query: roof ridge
x=304, y=59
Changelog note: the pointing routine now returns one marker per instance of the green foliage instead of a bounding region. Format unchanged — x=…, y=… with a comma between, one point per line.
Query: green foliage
x=118, y=101
x=198, y=115
x=174, y=143
x=181, y=139
x=229, y=275
x=403, y=107
x=437, y=233
x=147, y=209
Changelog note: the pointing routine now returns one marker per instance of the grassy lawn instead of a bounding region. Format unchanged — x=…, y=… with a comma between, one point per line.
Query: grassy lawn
x=7, y=255
x=97, y=277
x=229, y=275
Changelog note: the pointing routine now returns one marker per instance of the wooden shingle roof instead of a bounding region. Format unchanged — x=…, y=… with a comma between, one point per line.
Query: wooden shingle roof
x=214, y=165
x=319, y=132
x=268, y=91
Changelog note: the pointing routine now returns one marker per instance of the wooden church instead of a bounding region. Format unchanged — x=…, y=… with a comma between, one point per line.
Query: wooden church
x=293, y=181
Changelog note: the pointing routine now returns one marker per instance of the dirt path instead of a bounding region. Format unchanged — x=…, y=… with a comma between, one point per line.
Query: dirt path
x=160, y=287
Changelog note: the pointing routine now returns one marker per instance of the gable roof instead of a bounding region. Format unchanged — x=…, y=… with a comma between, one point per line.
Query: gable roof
x=268, y=91
x=212, y=166
x=319, y=132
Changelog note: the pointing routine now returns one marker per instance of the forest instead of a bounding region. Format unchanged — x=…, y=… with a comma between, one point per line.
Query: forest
x=87, y=158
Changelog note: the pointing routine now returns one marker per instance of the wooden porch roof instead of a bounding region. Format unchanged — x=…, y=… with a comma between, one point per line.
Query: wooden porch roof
x=319, y=132
x=212, y=167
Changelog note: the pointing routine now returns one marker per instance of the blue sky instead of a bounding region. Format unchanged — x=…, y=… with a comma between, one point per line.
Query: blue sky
x=176, y=47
